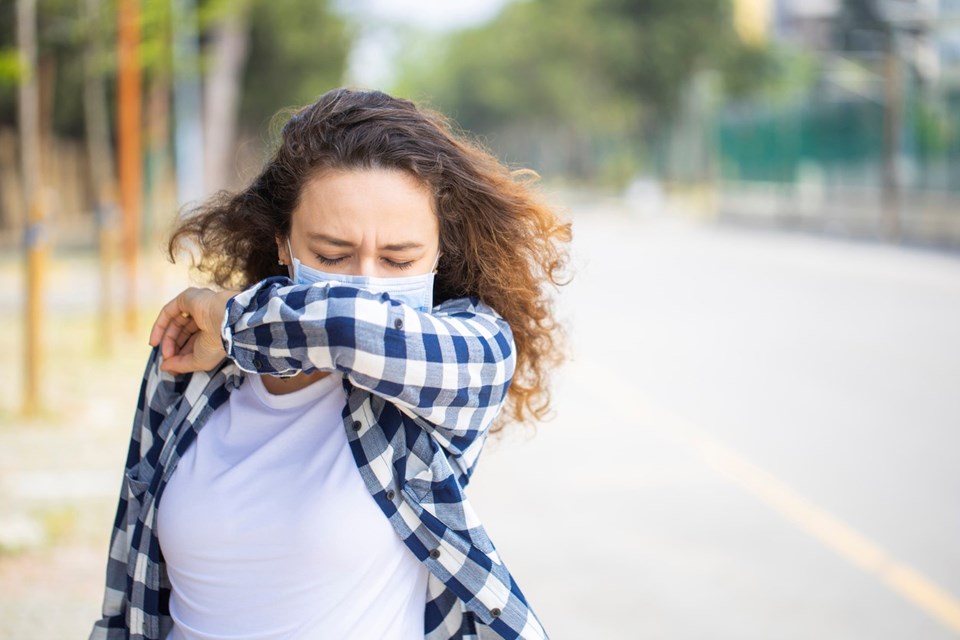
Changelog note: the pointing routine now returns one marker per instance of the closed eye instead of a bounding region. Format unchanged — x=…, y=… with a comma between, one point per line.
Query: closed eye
x=393, y=264
x=398, y=265
x=329, y=261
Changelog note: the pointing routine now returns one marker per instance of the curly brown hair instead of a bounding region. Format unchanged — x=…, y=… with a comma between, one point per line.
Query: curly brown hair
x=499, y=241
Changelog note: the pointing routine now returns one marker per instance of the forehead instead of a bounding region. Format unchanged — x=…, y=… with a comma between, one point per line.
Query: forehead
x=356, y=203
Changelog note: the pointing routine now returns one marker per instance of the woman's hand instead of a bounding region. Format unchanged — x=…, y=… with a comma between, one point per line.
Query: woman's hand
x=188, y=330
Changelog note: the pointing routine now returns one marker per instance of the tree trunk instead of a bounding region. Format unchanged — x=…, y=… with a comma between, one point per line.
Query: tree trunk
x=229, y=43
x=34, y=240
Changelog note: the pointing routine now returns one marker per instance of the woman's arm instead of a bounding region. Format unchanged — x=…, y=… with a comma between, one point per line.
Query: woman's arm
x=451, y=367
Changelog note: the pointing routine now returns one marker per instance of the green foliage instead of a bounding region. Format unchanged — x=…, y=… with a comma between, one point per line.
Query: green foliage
x=298, y=50
x=933, y=128
x=651, y=46
x=596, y=76
x=61, y=36
x=778, y=75
x=9, y=63
x=537, y=62
x=9, y=67
x=747, y=68
x=156, y=37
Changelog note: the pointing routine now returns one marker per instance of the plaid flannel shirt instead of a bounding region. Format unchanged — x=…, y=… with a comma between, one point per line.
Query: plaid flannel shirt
x=422, y=391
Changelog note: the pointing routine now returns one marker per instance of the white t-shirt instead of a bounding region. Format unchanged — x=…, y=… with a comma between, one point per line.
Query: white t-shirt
x=268, y=530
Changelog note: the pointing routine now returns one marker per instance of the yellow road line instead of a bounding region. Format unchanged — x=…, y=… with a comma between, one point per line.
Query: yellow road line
x=829, y=530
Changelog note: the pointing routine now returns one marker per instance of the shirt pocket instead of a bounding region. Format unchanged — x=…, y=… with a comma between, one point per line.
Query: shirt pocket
x=136, y=482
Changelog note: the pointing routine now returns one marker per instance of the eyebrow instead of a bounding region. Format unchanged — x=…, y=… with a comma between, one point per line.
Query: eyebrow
x=402, y=246
x=339, y=242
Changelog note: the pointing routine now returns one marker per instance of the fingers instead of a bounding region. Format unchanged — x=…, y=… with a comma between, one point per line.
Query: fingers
x=172, y=329
x=187, y=332
x=177, y=314
x=175, y=365
x=178, y=364
x=170, y=314
x=195, y=314
x=201, y=352
x=178, y=332
x=181, y=361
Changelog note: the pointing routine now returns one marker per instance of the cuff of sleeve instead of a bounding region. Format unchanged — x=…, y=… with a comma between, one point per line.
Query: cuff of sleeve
x=247, y=360
x=226, y=328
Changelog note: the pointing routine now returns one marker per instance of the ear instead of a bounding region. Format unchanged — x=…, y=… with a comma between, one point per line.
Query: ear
x=282, y=251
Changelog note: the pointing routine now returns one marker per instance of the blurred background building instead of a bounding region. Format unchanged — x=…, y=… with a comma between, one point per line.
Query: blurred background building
x=869, y=146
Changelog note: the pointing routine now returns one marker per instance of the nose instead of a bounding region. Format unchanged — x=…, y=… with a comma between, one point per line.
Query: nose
x=367, y=266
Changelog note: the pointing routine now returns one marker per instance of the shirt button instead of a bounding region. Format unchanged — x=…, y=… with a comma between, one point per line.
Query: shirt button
x=495, y=612
x=356, y=425
x=435, y=554
x=258, y=363
x=390, y=494
x=398, y=324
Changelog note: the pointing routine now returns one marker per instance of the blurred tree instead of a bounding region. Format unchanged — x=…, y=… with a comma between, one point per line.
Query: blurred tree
x=59, y=39
x=651, y=46
x=228, y=41
x=256, y=57
x=580, y=82
x=297, y=50
x=9, y=65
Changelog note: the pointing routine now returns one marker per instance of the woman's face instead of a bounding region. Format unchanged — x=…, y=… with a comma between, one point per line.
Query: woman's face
x=368, y=222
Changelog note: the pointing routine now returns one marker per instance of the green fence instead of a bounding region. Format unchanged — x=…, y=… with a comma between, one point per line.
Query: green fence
x=844, y=139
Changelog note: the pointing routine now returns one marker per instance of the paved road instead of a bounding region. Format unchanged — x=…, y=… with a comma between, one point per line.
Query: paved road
x=758, y=437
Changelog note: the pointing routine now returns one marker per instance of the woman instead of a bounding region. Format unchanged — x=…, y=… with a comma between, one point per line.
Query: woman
x=311, y=427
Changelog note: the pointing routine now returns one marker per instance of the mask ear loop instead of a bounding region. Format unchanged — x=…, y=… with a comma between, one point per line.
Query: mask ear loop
x=293, y=261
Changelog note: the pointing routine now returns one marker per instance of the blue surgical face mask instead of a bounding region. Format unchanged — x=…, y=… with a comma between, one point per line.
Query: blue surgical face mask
x=415, y=291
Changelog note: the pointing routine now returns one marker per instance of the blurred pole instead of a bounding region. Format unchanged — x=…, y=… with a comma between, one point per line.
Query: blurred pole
x=100, y=158
x=188, y=137
x=229, y=41
x=130, y=159
x=892, y=138
x=29, y=109
x=157, y=154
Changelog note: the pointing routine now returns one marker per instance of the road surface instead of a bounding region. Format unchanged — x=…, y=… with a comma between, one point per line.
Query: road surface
x=758, y=436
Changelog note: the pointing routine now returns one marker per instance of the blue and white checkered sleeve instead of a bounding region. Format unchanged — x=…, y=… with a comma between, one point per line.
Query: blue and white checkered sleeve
x=451, y=367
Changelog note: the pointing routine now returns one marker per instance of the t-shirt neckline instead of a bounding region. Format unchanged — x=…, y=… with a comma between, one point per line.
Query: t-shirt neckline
x=295, y=399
